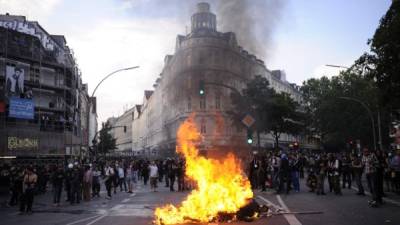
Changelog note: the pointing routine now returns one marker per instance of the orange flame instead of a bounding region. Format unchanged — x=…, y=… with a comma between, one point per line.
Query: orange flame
x=222, y=186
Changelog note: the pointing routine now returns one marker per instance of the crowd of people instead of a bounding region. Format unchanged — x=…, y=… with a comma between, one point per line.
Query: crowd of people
x=282, y=172
x=84, y=181
x=278, y=171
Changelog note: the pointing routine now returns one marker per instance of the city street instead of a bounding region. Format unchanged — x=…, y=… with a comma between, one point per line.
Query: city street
x=137, y=208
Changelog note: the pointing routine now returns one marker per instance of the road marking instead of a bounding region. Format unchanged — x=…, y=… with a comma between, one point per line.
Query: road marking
x=384, y=198
x=292, y=220
x=126, y=200
x=82, y=220
x=269, y=202
x=132, y=195
x=95, y=220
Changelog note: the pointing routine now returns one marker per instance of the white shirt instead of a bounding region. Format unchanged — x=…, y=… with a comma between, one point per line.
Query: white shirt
x=121, y=173
x=153, y=171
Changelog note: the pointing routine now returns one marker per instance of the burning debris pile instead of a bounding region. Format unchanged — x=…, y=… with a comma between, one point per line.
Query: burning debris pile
x=222, y=188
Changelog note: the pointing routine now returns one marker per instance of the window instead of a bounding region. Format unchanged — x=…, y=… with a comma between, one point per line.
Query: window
x=203, y=129
x=202, y=103
x=217, y=100
x=189, y=103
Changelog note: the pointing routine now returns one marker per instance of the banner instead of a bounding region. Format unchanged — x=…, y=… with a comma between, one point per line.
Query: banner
x=21, y=108
x=14, y=81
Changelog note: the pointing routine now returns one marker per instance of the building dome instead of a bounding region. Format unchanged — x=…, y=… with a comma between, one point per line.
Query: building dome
x=203, y=19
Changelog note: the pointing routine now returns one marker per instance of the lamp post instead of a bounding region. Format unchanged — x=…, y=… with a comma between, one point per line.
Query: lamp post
x=95, y=89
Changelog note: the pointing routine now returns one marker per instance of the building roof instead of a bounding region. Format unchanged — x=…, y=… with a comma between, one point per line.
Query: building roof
x=148, y=94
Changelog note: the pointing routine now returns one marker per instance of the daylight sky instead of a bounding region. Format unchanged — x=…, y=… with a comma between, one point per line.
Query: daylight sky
x=110, y=34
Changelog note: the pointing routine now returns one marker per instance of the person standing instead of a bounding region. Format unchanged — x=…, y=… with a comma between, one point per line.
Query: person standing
x=172, y=174
x=29, y=184
x=320, y=170
x=180, y=174
x=76, y=185
x=129, y=177
x=358, y=171
x=87, y=183
x=16, y=180
x=96, y=182
x=68, y=180
x=284, y=175
x=395, y=175
x=370, y=162
x=108, y=179
x=153, y=175
x=57, y=179
x=121, y=178
x=294, y=172
x=346, y=171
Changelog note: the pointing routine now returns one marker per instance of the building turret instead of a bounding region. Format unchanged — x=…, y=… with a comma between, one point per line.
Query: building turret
x=203, y=19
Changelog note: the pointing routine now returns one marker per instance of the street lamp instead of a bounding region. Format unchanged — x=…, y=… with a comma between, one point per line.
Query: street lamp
x=97, y=86
x=366, y=108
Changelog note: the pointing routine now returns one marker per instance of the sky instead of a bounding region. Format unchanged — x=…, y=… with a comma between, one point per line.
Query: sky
x=106, y=35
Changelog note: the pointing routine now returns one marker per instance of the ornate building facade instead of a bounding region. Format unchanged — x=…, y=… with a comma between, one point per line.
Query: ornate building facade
x=203, y=55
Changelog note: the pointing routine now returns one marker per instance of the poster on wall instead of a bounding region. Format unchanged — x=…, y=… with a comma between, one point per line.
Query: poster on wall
x=21, y=108
x=14, y=85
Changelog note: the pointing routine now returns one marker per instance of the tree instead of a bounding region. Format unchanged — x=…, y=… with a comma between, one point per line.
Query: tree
x=382, y=64
x=337, y=120
x=274, y=113
x=106, y=141
x=284, y=117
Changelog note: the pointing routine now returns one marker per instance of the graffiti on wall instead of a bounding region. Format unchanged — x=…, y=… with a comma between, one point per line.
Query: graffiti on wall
x=31, y=29
x=17, y=143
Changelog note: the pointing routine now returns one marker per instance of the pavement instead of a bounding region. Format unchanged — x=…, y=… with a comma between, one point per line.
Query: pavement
x=301, y=208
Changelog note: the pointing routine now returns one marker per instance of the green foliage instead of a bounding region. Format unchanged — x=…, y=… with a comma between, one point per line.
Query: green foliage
x=274, y=113
x=106, y=141
x=383, y=63
x=337, y=120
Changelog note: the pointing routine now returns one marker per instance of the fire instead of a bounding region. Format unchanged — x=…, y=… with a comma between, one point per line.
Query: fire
x=222, y=186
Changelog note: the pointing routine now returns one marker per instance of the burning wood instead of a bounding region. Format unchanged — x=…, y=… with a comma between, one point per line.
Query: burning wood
x=222, y=187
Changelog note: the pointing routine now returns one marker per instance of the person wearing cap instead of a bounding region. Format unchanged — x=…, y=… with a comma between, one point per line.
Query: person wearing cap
x=68, y=181
x=29, y=184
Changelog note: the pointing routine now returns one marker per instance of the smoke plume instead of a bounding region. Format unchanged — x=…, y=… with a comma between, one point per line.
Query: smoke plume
x=253, y=21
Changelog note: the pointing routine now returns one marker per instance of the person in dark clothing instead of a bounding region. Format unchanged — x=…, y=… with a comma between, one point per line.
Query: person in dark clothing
x=320, y=171
x=284, y=175
x=263, y=174
x=166, y=171
x=57, y=179
x=172, y=174
x=358, y=171
x=145, y=172
x=29, y=185
x=378, y=181
x=180, y=174
x=76, y=185
x=346, y=172
x=68, y=179
x=16, y=180
x=253, y=173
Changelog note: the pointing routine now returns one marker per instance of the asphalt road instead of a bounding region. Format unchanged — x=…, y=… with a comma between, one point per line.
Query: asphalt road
x=137, y=209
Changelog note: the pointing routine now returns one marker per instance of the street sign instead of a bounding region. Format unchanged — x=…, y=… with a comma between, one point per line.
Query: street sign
x=248, y=120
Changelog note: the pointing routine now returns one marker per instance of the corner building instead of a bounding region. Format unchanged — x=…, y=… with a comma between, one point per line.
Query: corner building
x=44, y=106
x=212, y=56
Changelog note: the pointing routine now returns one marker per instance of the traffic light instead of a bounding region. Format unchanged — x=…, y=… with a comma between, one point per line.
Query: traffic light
x=124, y=129
x=202, y=89
x=249, y=137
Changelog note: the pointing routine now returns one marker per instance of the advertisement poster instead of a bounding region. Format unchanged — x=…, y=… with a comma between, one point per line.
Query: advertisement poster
x=21, y=108
x=14, y=81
